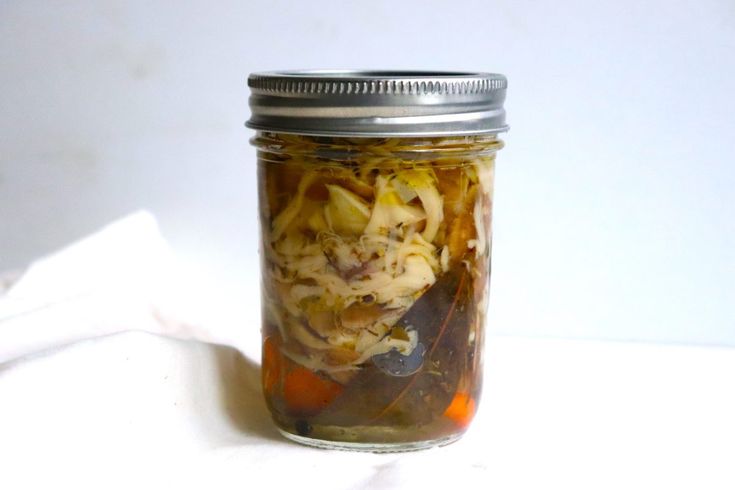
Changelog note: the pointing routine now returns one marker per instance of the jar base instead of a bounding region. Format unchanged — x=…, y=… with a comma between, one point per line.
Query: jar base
x=371, y=447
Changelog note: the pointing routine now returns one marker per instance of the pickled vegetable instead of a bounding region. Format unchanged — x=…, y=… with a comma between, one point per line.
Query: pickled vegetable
x=376, y=260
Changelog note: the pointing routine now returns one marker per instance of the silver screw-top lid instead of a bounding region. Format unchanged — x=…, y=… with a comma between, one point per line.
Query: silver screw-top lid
x=377, y=103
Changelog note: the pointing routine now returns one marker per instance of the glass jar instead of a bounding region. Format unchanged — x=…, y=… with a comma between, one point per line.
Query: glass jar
x=375, y=196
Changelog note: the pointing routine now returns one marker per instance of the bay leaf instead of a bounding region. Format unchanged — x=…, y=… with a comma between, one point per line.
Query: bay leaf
x=442, y=318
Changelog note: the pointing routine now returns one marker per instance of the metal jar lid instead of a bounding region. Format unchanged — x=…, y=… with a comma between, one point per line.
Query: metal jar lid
x=377, y=103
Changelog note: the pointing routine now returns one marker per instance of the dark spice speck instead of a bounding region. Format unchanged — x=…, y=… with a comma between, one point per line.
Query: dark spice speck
x=303, y=427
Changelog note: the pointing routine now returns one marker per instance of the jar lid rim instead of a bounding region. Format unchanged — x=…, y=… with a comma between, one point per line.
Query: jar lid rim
x=377, y=102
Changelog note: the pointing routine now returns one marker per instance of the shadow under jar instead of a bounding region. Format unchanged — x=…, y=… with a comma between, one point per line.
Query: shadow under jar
x=375, y=197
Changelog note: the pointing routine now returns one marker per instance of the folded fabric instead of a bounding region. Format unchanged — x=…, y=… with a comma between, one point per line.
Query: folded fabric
x=124, y=277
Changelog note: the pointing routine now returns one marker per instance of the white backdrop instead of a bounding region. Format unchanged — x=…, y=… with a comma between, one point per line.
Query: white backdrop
x=614, y=203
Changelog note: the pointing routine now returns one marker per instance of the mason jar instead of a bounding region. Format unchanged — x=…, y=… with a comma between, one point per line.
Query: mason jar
x=375, y=200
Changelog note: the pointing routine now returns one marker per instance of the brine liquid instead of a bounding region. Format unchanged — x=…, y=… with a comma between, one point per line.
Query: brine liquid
x=375, y=261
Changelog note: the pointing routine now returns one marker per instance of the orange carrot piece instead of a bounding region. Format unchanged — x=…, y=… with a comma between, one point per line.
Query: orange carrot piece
x=461, y=410
x=307, y=393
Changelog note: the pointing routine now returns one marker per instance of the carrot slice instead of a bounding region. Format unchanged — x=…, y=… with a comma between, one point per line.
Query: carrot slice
x=272, y=365
x=461, y=410
x=307, y=393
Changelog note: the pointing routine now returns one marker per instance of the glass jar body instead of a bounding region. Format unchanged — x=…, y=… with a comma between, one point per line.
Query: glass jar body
x=375, y=268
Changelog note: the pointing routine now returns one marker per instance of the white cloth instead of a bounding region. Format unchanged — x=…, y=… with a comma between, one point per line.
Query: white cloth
x=123, y=277
x=135, y=406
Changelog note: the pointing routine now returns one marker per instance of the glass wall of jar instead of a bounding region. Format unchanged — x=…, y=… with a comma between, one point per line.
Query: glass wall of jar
x=375, y=265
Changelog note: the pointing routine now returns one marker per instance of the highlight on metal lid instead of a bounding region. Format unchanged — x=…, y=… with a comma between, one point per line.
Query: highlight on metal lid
x=377, y=103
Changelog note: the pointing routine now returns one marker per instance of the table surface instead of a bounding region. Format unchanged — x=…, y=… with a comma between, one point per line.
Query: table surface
x=136, y=410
